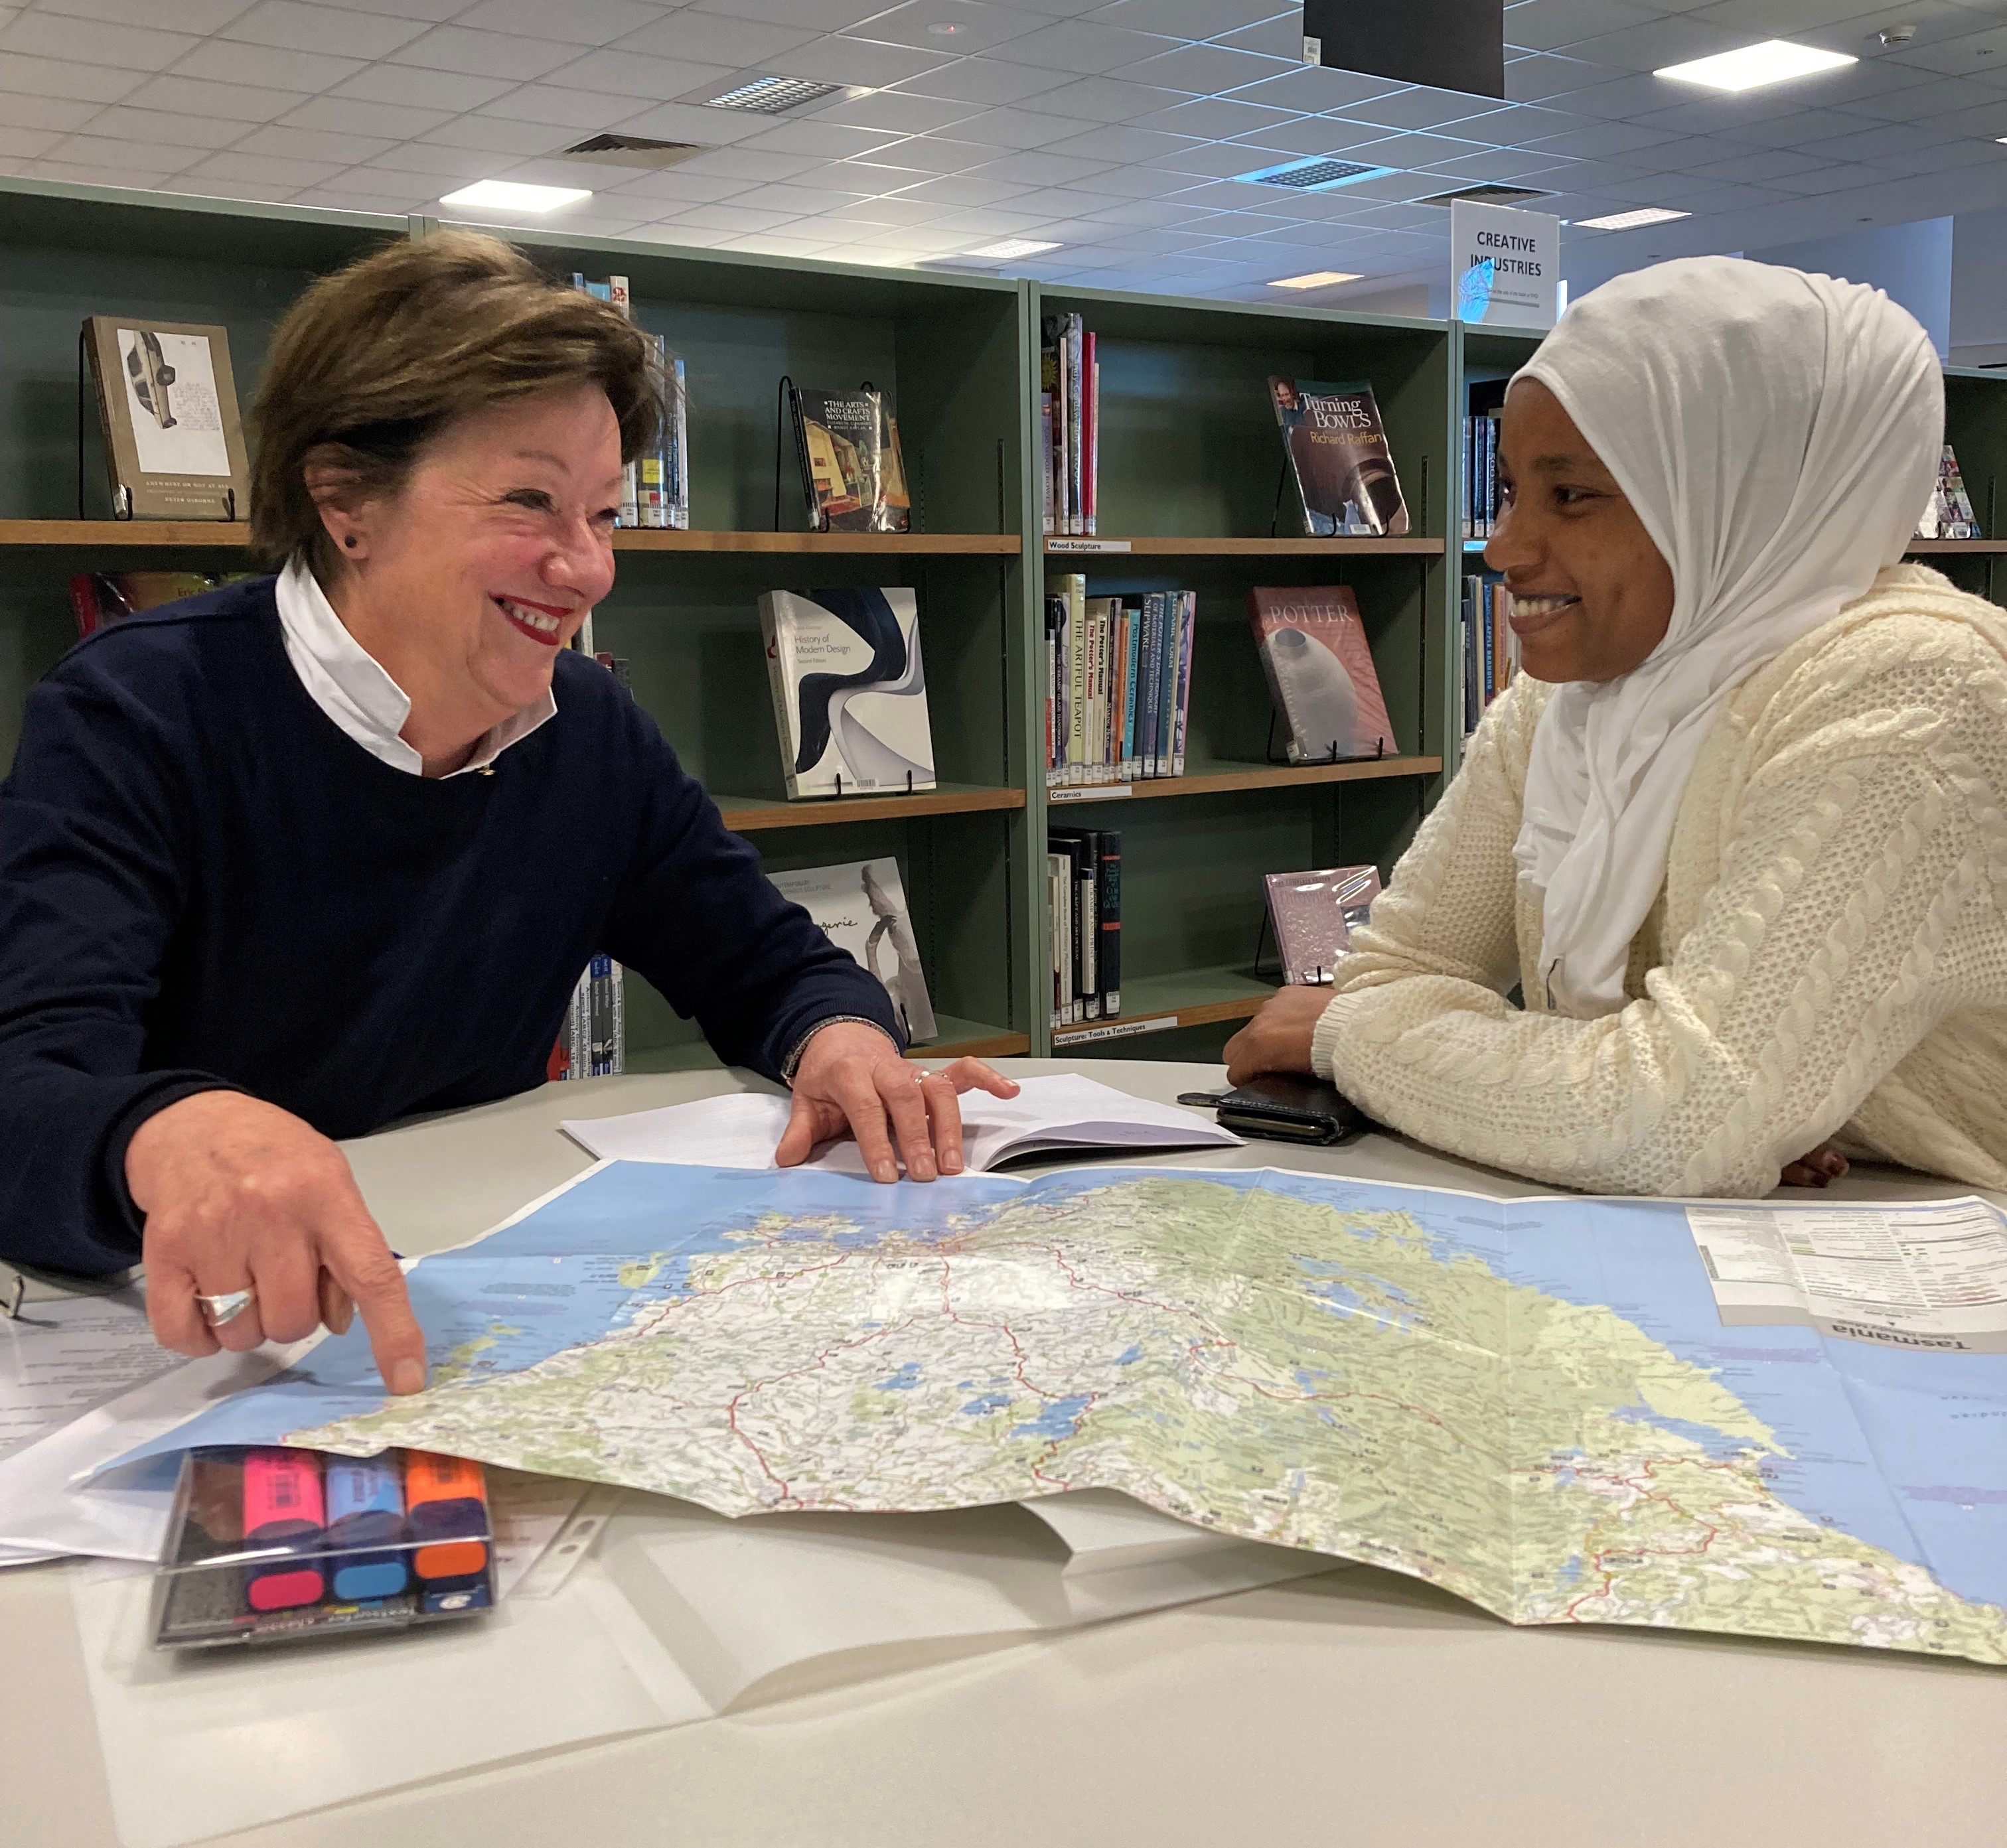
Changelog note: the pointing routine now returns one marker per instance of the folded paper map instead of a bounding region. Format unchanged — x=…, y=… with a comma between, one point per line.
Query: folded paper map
x=1546, y=1406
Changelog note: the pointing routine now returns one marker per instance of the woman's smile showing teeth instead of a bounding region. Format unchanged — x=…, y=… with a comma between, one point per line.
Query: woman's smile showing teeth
x=1531, y=613
x=538, y=621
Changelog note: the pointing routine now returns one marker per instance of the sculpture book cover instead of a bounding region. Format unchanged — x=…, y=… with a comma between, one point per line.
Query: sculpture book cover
x=850, y=693
x=1321, y=674
x=1314, y=914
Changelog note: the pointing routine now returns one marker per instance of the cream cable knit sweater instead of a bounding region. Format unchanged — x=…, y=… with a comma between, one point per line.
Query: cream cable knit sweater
x=1828, y=958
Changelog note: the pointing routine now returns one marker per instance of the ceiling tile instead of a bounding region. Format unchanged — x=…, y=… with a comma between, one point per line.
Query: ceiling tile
x=799, y=202
x=585, y=110
x=430, y=11
x=375, y=182
x=961, y=190
x=1763, y=164
x=54, y=77
x=292, y=26
x=890, y=209
x=1279, y=36
x=338, y=195
x=1037, y=169
x=828, y=140
x=310, y=144
x=1212, y=119
x=690, y=121
x=1083, y=47
x=447, y=163
x=938, y=153
x=1115, y=143
x=65, y=113
x=1187, y=19
x=90, y=42
x=191, y=96
x=177, y=15
x=1106, y=99
x=1015, y=128
x=1205, y=70
x=576, y=22
x=1534, y=79
x=1987, y=120
x=422, y=88
x=490, y=136
x=484, y=54
x=1548, y=25
x=731, y=218
x=753, y=164
x=269, y=67
x=975, y=26
x=629, y=74
x=1673, y=38
x=96, y=150
x=841, y=59
x=1841, y=178
x=265, y=169
x=70, y=173
x=710, y=38
x=899, y=110
x=824, y=16
x=679, y=184
x=1918, y=102
x=350, y=115
x=1417, y=108
x=983, y=80
x=1603, y=138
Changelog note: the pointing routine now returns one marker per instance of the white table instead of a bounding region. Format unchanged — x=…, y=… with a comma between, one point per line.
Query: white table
x=1355, y=1709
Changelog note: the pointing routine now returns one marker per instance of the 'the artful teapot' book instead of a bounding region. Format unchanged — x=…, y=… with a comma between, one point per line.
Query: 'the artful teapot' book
x=1320, y=673
x=1338, y=452
x=850, y=696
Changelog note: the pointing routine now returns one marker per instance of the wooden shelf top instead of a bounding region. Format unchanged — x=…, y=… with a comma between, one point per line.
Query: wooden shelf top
x=954, y=1038
x=1925, y=548
x=1228, y=548
x=1212, y=778
x=1159, y=1003
x=749, y=814
x=235, y=535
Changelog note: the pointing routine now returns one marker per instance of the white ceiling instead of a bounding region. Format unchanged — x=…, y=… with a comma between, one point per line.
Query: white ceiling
x=1110, y=127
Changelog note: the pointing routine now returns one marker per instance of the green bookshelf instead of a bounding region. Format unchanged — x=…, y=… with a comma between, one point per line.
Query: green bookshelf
x=1190, y=498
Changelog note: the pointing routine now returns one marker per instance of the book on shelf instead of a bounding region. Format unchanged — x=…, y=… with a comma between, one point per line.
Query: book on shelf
x=853, y=477
x=1313, y=915
x=860, y=907
x=1949, y=514
x=1321, y=674
x=614, y=289
x=1084, y=890
x=592, y=1039
x=662, y=471
x=1338, y=458
x=1490, y=650
x=850, y=695
x=1480, y=476
x=1118, y=683
x=1069, y=423
x=167, y=400
x=99, y=599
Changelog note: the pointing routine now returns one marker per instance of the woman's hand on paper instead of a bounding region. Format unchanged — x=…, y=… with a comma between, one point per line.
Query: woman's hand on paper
x=852, y=1080
x=239, y=1194
x=1826, y=1163
x=1278, y=1038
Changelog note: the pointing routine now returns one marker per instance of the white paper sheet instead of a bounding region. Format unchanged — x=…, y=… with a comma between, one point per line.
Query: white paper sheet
x=682, y=1614
x=1060, y=1112
x=60, y=1357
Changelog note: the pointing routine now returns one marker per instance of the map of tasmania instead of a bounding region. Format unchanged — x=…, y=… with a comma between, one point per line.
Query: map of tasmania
x=1533, y=1405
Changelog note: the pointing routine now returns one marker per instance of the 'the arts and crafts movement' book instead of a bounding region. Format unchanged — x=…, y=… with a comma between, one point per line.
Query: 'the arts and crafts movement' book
x=861, y=909
x=850, y=697
x=1320, y=674
x=853, y=477
x=1344, y=471
x=1314, y=914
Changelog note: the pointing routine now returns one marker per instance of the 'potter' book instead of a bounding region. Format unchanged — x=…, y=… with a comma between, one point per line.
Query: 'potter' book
x=1320, y=674
x=850, y=696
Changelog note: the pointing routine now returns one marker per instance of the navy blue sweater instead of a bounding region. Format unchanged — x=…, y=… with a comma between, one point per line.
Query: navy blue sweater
x=205, y=883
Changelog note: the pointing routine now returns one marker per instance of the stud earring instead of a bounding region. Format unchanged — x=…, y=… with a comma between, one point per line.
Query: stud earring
x=350, y=541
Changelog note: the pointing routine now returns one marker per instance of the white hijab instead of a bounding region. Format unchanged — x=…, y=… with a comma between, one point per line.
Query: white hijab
x=1778, y=434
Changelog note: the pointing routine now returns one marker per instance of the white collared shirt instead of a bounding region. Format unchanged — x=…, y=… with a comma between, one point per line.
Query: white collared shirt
x=348, y=683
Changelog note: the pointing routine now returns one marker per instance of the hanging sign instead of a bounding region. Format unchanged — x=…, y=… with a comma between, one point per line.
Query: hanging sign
x=1505, y=265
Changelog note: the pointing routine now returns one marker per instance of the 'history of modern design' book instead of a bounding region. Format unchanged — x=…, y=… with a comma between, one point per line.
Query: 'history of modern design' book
x=861, y=909
x=1344, y=471
x=850, y=695
x=1320, y=673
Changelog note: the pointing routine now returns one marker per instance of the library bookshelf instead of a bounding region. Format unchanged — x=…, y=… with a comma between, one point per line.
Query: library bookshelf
x=1190, y=498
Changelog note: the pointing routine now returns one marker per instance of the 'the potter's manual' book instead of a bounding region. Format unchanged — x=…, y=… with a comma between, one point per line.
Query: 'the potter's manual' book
x=850, y=697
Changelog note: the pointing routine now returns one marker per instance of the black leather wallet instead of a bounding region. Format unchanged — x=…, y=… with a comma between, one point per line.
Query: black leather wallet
x=1291, y=1109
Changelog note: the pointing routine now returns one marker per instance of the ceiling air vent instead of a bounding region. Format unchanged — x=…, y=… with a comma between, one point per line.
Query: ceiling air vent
x=774, y=96
x=1485, y=195
x=631, y=150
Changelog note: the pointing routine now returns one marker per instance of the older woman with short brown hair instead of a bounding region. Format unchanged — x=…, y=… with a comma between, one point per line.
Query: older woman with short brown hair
x=291, y=860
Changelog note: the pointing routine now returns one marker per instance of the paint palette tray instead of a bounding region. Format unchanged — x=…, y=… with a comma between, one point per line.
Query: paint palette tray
x=274, y=1545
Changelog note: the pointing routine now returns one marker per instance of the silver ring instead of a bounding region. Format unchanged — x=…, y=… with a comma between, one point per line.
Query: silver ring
x=217, y=1310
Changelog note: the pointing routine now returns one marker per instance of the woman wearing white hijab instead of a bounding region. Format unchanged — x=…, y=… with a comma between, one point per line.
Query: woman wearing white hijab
x=1739, y=831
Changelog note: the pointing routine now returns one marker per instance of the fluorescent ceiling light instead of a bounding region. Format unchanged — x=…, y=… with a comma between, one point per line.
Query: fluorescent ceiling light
x=1010, y=248
x=774, y=96
x=1773, y=62
x=1630, y=220
x=511, y=195
x=1316, y=279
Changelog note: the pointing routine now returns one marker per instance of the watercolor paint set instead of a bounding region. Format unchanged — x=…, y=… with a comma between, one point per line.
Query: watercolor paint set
x=270, y=1544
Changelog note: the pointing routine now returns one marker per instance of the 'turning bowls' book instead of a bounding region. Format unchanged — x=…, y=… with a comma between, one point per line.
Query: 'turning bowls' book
x=850, y=697
x=1314, y=914
x=1337, y=451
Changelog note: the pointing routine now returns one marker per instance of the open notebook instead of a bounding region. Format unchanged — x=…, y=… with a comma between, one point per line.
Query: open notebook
x=1048, y=1116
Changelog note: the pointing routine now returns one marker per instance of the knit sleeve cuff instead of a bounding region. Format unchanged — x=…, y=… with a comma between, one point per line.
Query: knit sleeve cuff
x=1332, y=1026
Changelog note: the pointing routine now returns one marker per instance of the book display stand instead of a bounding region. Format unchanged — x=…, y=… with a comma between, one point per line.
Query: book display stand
x=1188, y=460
